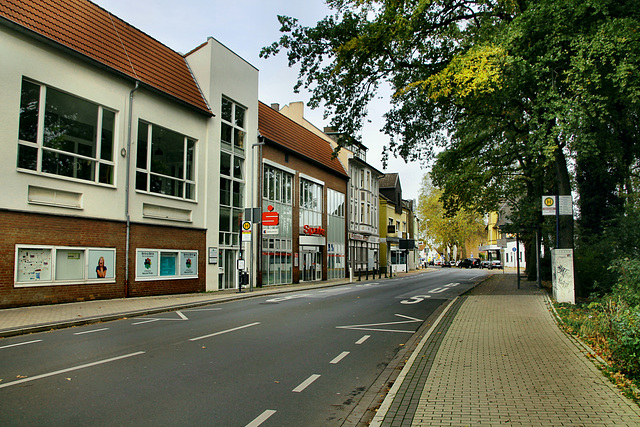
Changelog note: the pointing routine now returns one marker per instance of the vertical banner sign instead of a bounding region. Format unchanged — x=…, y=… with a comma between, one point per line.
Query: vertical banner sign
x=562, y=275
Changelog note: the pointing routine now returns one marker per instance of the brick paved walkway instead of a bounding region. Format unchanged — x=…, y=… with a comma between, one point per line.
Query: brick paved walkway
x=500, y=359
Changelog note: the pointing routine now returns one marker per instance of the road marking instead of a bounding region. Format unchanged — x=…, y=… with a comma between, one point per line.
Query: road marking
x=204, y=309
x=20, y=343
x=366, y=327
x=155, y=319
x=415, y=299
x=437, y=290
x=74, y=368
x=288, y=297
x=451, y=285
x=145, y=321
x=306, y=383
x=224, y=332
x=363, y=339
x=339, y=357
x=262, y=418
x=90, y=332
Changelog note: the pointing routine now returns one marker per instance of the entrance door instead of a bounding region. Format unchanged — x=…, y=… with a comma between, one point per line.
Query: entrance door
x=311, y=265
x=227, y=280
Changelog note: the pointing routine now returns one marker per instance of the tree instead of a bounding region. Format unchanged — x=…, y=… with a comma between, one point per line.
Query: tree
x=447, y=232
x=519, y=93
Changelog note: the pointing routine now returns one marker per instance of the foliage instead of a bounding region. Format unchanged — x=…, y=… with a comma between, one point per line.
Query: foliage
x=520, y=94
x=611, y=324
x=446, y=231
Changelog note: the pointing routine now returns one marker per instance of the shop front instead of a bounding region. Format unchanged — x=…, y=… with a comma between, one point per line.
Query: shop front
x=312, y=255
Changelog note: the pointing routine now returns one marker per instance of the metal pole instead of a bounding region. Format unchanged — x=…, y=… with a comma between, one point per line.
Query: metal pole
x=557, y=221
x=518, y=257
x=538, y=280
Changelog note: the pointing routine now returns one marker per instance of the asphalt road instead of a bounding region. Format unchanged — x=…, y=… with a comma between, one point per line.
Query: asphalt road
x=303, y=358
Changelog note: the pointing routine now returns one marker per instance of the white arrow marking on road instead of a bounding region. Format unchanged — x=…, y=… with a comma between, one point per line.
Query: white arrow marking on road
x=367, y=327
x=155, y=319
x=224, y=332
x=288, y=297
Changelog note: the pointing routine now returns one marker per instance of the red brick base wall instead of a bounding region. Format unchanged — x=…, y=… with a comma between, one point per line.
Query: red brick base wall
x=32, y=229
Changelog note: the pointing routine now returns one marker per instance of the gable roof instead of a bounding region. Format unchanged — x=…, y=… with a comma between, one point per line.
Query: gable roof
x=94, y=33
x=388, y=180
x=281, y=130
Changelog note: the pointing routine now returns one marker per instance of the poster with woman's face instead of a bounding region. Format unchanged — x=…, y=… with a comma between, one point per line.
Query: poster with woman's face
x=101, y=264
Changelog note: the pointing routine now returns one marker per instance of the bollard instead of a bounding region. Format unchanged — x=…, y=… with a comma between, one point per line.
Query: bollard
x=360, y=274
x=367, y=274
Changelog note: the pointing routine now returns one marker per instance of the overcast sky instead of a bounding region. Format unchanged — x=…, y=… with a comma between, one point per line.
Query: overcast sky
x=245, y=26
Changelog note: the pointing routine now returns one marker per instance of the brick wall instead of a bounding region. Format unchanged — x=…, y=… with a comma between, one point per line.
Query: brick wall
x=18, y=228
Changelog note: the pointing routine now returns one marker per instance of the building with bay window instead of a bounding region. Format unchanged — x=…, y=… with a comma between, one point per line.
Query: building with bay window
x=125, y=165
x=307, y=187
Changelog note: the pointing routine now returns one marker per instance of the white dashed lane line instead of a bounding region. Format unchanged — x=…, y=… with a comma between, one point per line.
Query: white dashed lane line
x=20, y=343
x=262, y=418
x=339, y=357
x=363, y=339
x=306, y=383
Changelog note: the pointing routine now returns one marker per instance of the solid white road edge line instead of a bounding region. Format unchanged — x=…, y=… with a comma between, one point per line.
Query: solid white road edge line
x=20, y=343
x=224, y=332
x=386, y=404
x=74, y=368
x=306, y=383
x=339, y=357
x=92, y=331
x=262, y=418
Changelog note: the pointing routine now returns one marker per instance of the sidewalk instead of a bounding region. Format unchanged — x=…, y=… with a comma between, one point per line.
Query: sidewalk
x=496, y=357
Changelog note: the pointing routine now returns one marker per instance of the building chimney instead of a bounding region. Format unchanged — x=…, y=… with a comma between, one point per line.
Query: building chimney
x=275, y=106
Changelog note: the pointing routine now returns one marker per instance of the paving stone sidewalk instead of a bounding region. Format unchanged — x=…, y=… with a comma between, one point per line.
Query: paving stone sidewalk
x=497, y=357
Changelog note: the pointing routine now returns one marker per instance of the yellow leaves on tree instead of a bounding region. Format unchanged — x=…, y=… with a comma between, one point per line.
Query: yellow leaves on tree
x=476, y=71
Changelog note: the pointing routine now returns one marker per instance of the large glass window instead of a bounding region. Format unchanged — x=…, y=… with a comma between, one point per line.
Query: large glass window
x=310, y=203
x=61, y=265
x=277, y=266
x=165, y=162
x=232, y=173
x=233, y=125
x=335, y=235
x=63, y=135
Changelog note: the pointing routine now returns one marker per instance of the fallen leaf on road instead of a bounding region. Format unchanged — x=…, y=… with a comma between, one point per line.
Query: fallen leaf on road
x=21, y=376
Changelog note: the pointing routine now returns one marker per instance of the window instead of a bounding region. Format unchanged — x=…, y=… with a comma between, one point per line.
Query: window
x=232, y=176
x=233, y=126
x=159, y=264
x=62, y=265
x=310, y=203
x=165, y=162
x=63, y=135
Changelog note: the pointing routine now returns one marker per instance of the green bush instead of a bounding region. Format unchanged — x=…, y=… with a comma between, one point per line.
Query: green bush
x=627, y=287
x=624, y=342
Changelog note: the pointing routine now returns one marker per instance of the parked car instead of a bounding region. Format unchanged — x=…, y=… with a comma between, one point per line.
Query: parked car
x=485, y=264
x=447, y=263
x=496, y=263
x=438, y=262
x=469, y=263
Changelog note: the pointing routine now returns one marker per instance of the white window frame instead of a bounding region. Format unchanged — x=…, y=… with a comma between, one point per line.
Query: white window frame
x=52, y=261
x=180, y=273
x=184, y=180
x=39, y=144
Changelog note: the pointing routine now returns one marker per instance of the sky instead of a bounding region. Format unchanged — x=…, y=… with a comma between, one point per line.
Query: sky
x=245, y=26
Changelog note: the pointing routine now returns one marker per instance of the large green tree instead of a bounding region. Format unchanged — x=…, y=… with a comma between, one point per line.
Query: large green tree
x=520, y=94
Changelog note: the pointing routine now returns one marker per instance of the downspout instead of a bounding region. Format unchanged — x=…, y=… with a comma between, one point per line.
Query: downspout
x=127, y=191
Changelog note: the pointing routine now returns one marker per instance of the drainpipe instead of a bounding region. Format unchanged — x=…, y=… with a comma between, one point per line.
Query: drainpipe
x=127, y=191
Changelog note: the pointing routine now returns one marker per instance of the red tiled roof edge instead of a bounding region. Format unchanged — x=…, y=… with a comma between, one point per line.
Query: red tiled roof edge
x=94, y=33
x=283, y=131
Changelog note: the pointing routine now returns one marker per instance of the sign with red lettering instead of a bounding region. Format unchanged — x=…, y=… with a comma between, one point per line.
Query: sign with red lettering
x=309, y=231
x=270, y=218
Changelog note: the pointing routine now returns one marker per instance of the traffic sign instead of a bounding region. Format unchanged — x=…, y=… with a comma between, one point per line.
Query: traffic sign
x=246, y=231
